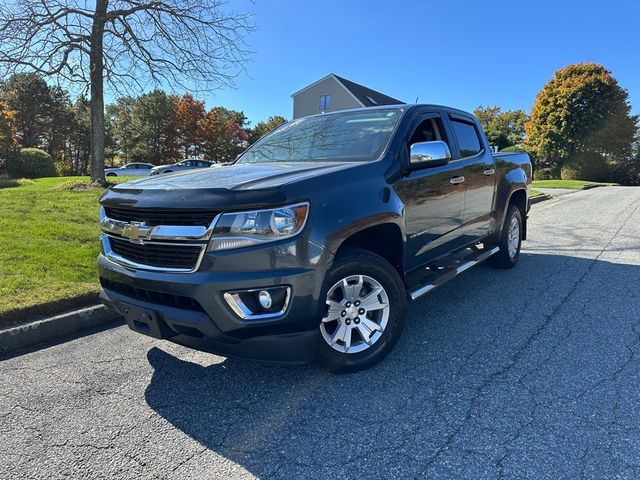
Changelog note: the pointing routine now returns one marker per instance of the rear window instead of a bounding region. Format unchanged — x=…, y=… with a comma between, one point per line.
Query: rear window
x=467, y=136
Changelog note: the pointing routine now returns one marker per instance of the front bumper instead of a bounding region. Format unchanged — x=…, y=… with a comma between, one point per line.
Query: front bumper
x=189, y=309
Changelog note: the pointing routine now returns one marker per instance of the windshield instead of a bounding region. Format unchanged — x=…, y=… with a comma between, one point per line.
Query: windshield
x=351, y=136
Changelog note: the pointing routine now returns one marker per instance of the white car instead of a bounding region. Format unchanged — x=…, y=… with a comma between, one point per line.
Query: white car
x=130, y=170
x=183, y=165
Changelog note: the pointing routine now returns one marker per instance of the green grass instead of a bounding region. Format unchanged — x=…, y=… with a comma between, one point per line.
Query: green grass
x=48, y=243
x=571, y=184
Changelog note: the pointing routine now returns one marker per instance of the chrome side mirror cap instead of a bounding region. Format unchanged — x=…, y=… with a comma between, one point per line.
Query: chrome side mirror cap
x=429, y=154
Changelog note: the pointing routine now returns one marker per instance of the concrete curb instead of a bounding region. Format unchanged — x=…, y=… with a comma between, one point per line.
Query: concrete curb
x=27, y=335
x=540, y=198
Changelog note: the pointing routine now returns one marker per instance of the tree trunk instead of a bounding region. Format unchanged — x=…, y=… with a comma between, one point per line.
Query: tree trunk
x=96, y=67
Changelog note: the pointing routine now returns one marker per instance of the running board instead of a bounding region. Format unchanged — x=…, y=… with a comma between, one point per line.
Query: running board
x=443, y=275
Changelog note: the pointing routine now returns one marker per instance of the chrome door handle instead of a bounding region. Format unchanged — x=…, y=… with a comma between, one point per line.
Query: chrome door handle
x=457, y=180
x=489, y=171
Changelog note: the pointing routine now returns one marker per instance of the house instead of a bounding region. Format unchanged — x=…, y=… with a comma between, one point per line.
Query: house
x=333, y=93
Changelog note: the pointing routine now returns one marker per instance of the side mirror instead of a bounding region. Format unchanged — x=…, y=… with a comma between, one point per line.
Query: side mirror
x=429, y=154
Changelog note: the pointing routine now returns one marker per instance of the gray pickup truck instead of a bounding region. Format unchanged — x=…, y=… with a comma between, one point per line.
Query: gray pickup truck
x=310, y=246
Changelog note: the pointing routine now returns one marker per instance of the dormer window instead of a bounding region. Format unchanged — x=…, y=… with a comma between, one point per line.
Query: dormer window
x=325, y=102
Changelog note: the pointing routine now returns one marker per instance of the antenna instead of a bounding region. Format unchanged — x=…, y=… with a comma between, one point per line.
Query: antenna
x=417, y=99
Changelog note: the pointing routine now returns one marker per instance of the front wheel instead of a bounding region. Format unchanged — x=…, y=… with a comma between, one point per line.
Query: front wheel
x=510, y=240
x=364, y=316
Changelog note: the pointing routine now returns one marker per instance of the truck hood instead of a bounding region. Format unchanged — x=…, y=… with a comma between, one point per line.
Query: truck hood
x=236, y=177
x=233, y=186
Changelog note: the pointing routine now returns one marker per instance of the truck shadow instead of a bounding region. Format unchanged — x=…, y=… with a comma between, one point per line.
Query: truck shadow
x=281, y=420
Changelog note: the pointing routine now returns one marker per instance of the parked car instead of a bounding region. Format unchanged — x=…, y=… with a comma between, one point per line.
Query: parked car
x=309, y=247
x=129, y=170
x=180, y=166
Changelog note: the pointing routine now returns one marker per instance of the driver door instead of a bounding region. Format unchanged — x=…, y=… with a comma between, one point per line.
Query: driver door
x=433, y=199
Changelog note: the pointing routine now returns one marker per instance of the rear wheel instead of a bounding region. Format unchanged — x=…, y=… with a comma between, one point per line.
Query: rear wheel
x=510, y=240
x=111, y=175
x=364, y=317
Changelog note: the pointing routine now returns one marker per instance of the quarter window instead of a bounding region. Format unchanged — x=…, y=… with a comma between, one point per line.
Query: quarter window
x=325, y=102
x=467, y=137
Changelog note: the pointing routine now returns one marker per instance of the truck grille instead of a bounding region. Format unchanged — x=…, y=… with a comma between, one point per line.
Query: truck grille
x=158, y=255
x=162, y=216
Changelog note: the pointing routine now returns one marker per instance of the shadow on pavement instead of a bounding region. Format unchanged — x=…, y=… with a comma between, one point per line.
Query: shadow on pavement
x=425, y=400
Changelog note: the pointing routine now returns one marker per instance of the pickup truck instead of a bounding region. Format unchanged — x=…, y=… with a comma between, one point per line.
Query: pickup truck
x=310, y=246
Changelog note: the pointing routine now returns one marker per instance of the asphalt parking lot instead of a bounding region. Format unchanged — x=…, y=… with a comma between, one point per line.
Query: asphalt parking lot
x=527, y=373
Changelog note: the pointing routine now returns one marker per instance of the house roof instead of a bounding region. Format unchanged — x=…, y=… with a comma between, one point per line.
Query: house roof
x=366, y=96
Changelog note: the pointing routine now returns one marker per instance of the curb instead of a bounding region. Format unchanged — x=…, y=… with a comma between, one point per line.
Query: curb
x=589, y=187
x=540, y=198
x=27, y=335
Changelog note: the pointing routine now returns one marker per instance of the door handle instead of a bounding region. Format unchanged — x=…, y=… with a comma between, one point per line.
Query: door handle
x=457, y=180
x=489, y=171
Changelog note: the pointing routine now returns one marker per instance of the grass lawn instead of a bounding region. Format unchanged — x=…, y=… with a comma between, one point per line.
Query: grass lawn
x=572, y=184
x=48, y=245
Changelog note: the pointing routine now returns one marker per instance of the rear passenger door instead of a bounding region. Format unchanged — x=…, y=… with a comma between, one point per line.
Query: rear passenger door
x=479, y=175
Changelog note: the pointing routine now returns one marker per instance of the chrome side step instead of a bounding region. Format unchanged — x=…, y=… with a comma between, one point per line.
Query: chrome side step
x=449, y=273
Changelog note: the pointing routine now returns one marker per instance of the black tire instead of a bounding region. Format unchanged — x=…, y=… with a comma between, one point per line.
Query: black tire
x=506, y=258
x=111, y=175
x=357, y=262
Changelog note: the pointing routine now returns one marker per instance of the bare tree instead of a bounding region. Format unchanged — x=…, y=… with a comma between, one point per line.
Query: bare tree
x=130, y=44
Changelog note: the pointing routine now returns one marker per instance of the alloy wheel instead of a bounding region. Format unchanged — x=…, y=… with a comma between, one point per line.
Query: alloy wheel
x=513, y=236
x=357, y=314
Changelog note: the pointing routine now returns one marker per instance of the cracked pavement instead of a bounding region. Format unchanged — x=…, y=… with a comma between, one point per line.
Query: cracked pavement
x=527, y=373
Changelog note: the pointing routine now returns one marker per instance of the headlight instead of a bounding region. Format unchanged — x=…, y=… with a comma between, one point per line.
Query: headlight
x=243, y=229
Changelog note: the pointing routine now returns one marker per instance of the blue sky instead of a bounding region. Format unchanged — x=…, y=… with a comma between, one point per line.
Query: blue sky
x=458, y=53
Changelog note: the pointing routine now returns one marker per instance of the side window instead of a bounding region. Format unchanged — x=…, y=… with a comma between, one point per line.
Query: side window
x=428, y=131
x=467, y=137
x=325, y=102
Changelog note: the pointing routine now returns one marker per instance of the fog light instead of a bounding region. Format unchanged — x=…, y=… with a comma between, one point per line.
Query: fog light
x=259, y=304
x=264, y=298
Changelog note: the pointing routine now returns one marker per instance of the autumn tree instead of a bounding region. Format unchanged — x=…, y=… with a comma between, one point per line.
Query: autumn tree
x=503, y=129
x=581, y=110
x=189, y=118
x=262, y=128
x=223, y=134
x=127, y=43
x=7, y=133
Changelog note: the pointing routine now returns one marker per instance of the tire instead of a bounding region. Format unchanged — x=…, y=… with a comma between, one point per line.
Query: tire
x=363, y=273
x=510, y=240
x=111, y=175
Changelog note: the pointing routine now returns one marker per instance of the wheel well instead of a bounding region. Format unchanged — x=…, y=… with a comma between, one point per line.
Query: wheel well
x=385, y=240
x=519, y=199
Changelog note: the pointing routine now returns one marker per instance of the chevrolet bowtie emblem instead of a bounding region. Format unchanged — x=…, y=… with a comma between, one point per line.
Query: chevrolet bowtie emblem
x=137, y=232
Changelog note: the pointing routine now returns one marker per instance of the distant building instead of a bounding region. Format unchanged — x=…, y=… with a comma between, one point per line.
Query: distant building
x=333, y=93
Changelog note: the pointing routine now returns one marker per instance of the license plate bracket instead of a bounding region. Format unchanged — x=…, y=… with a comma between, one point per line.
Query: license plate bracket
x=145, y=321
